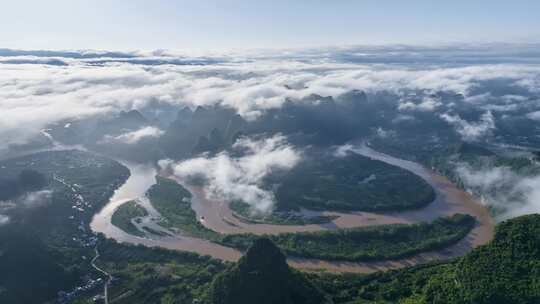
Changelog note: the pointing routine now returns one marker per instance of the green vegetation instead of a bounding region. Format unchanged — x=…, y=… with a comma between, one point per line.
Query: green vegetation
x=155, y=231
x=154, y=275
x=262, y=276
x=53, y=253
x=242, y=212
x=359, y=244
x=30, y=271
x=47, y=246
x=26, y=181
x=504, y=271
x=125, y=213
x=480, y=158
x=370, y=243
x=173, y=202
x=458, y=161
x=352, y=182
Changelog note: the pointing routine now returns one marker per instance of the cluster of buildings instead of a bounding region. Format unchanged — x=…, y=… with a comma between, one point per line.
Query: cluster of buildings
x=85, y=239
x=90, y=285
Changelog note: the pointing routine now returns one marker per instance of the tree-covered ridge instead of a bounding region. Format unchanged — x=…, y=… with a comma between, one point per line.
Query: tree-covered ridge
x=351, y=182
x=27, y=263
x=504, y=271
x=27, y=180
x=155, y=275
x=78, y=184
x=263, y=276
x=510, y=266
x=370, y=243
x=48, y=236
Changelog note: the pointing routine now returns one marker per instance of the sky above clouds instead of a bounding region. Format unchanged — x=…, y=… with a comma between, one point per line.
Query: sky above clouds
x=217, y=25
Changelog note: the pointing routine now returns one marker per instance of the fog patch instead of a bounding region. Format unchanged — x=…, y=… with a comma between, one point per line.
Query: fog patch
x=35, y=96
x=35, y=199
x=403, y=118
x=509, y=193
x=133, y=137
x=534, y=115
x=239, y=175
x=4, y=220
x=428, y=104
x=471, y=131
x=382, y=133
x=343, y=150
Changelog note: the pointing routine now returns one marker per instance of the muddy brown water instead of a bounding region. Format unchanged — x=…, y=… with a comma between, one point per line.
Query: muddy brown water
x=216, y=215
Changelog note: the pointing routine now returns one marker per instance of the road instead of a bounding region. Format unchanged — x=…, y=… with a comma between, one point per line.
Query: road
x=109, y=276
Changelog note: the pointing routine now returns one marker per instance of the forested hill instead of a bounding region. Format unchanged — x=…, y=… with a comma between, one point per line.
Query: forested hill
x=507, y=270
x=263, y=276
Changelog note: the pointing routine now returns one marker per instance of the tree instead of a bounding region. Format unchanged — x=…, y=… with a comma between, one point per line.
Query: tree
x=31, y=180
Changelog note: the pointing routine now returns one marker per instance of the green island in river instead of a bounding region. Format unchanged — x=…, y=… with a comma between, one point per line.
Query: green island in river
x=381, y=242
x=125, y=214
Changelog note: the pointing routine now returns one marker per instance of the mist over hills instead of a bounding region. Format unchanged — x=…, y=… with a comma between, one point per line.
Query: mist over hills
x=414, y=102
x=272, y=135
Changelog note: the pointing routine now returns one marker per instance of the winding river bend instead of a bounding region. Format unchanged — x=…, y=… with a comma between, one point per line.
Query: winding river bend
x=218, y=217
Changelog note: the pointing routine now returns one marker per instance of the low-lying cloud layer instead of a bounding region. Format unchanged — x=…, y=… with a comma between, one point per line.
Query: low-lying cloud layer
x=4, y=219
x=28, y=200
x=493, y=86
x=35, y=199
x=427, y=104
x=240, y=178
x=37, y=94
x=471, y=131
x=134, y=137
x=508, y=192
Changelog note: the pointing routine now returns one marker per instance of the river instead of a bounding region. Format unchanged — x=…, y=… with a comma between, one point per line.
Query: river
x=218, y=217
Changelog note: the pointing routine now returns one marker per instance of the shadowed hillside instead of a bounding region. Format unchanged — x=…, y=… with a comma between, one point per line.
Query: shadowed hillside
x=503, y=271
x=263, y=276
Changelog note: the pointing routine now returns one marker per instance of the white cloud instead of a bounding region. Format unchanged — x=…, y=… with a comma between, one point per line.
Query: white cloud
x=35, y=199
x=34, y=95
x=4, y=219
x=480, y=98
x=240, y=178
x=427, y=104
x=343, y=150
x=403, y=118
x=534, y=115
x=382, y=133
x=511, y=194
x=471, y=131
x=134, y=137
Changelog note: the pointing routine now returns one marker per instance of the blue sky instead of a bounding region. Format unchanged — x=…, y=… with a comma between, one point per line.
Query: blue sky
x=239, y=24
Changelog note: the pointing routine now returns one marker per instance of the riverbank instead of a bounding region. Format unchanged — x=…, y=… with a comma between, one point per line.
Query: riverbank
x=219, y=217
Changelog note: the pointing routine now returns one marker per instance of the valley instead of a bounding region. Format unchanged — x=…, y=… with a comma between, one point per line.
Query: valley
x=217, y=219
x=339, y=175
